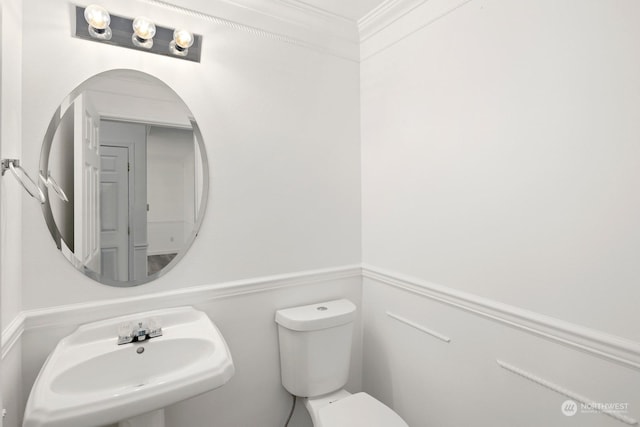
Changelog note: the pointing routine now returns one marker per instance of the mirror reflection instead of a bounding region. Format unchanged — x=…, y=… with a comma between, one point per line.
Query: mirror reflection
x=126, y=154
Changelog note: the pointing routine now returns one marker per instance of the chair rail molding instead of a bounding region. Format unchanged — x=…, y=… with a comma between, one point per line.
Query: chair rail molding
x=75, y=314
x=606, y=346
x=597, y=343
x=11, y=334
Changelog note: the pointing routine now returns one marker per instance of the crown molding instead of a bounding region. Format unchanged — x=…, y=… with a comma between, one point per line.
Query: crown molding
x=314, y=10
x=395, y=20
x=384, y=15
x=288, y=21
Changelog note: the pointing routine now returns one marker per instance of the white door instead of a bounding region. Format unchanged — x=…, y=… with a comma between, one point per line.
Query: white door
x=114, y=212
x=132, y=136
x=86, y=211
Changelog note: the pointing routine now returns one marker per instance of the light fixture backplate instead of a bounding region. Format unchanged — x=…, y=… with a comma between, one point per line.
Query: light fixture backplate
x=122, y=30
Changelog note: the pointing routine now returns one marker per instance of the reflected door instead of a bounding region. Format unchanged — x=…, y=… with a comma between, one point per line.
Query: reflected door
x=86, y=184
x=114, y=212
x=131, y=137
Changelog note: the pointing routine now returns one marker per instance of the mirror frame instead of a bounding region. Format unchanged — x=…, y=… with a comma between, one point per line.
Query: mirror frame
x=46, y=206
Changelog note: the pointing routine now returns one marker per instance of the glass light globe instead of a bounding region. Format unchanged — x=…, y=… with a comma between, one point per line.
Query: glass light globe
x=143, y=28
x=97, y=17
x=183, y=39
x=143, y=32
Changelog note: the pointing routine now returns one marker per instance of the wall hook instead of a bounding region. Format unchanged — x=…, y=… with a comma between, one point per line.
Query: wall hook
x=12, y=164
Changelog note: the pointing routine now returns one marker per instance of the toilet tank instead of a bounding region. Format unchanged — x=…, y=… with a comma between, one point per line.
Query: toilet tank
x=315, y=346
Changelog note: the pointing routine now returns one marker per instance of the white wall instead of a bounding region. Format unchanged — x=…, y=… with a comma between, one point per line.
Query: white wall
x=10, y=200
x=280, y=124
x=500, y=154
x=501, y=164
x=10, y=147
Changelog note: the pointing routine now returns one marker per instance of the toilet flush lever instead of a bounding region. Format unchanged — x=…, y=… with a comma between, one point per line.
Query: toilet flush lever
x=143, y=330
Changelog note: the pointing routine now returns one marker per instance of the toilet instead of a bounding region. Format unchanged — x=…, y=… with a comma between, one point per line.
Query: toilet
x=315, y=354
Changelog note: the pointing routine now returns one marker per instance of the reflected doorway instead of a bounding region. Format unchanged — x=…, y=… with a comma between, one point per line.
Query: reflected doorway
x=148, y=203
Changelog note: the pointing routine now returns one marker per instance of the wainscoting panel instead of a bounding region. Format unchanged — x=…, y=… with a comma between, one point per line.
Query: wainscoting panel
x=596, y=343
x=244, y=311
x=611, y=409
x=432, y=384
x=427, y=351
x=11, y=386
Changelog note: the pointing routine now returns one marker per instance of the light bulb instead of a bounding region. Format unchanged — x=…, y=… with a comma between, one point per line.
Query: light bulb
x=98, y=19
x=182, y=41
x=143, y=32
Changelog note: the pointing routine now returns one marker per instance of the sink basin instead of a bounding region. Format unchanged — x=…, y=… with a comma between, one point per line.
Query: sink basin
x=90, y=380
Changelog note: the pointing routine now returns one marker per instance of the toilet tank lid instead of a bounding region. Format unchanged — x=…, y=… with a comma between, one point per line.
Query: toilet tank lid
x=322, y=315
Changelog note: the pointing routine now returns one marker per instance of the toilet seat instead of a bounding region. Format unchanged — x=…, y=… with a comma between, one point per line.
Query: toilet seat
x=358, y=410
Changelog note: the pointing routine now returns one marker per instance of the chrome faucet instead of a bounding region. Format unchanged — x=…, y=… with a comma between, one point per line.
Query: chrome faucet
x=145, y=329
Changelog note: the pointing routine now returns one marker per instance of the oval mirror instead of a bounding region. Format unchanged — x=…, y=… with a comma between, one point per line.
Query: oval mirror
x=124, y=170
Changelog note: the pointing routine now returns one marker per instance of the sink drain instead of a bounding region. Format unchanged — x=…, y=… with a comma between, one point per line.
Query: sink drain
x=140, y=350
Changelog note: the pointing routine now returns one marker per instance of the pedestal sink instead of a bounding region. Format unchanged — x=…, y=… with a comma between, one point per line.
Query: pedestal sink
x=89, y=380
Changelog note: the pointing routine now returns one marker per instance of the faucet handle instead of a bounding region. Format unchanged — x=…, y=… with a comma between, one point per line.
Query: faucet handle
x=125, y=335
x=155, y=329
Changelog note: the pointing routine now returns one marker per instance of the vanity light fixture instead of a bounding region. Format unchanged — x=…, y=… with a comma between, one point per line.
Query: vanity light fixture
x=182, y=41
x=98, y=19
x=143, y=32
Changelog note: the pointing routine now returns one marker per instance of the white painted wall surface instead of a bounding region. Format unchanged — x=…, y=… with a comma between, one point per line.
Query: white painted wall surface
x=500, y=158
x=10, y=203
x=280, y=124
x=10, y=137
x=501, y=155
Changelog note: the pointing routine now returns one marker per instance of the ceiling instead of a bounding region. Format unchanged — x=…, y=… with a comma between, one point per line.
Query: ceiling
x=350, y=9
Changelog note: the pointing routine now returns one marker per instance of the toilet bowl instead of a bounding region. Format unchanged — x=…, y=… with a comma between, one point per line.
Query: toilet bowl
x=315, y=354
x=343, y=409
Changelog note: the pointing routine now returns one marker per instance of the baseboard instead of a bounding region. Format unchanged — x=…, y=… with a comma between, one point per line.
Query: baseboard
x=75, y=314
x=597, y=343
